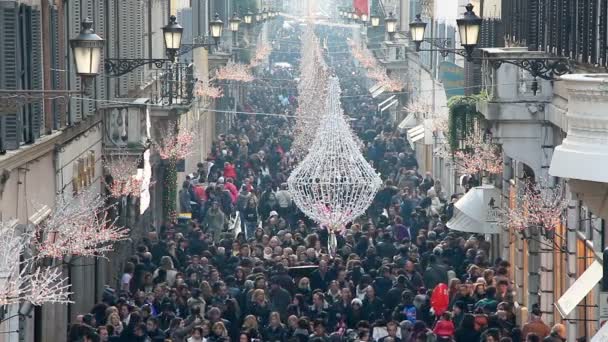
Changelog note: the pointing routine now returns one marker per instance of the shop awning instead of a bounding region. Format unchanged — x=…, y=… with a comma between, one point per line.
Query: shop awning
x=415, y=134
x=386, y=104
x=581, y=287
x=407, y=123
x=376, y=90
x=601, y=335
x=477, y=211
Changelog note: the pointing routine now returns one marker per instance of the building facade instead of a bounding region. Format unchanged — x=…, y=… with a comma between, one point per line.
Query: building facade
x=54, y=139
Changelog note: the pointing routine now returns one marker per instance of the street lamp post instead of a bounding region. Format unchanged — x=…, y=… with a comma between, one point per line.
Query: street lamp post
x=364, y=18
x=86, y=48
x=391, y=25
x=248, y=17
x=172, y=34
x=375, y=20
x=216, y=28
x=235, y=21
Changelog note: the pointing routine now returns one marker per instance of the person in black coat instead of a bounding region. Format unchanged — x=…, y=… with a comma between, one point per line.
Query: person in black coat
x=373, y=307
x=321, y=277
x=275, y=331
x=466, y=331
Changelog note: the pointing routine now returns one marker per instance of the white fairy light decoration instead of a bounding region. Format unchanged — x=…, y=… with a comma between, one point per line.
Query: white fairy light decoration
x=374, y=70
x=79, y=226
x=540, y=207
x=312, y=91
x=23, y=278
x=478, y=156
x=205, y=89
x=234, y=72
x=123, y=171
x=175, y=144
x=334, y=184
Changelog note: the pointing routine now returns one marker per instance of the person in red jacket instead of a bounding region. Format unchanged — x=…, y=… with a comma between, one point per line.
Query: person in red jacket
x=229, y=171
x=229, y=185
x=444, y=329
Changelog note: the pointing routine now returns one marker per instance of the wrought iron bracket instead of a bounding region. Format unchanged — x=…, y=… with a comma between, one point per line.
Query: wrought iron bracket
x=11, y=100
x=121, y=66
x=442, y=44
x=546, y=68
x=200, y=41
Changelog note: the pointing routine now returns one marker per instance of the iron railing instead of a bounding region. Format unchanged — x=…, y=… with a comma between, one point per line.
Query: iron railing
x=175, y=85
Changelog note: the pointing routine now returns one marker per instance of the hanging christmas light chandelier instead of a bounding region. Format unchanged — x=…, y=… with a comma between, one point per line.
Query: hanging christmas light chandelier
x=334, y=184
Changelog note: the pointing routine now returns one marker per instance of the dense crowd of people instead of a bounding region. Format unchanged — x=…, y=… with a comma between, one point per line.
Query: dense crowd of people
x=270, y=278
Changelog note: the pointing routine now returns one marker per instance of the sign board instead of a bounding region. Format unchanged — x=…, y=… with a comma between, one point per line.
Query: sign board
x=452, y=77
x=581, y=287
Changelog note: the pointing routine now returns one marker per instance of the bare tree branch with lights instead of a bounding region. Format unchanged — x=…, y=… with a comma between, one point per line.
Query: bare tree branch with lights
x=205, y=89
x=79, y=226
x=234, y=72
x=374, y=70
x=478, y=155
x=22, y=277
x=123, y=170
x=334, y=184
x=175, y=143
x=541, y=207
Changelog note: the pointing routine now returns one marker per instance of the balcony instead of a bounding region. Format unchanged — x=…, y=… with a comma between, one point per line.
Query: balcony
x=583, y=155
x=126, y=126
x=509, y=88
x=173, y=91
x=515, y=112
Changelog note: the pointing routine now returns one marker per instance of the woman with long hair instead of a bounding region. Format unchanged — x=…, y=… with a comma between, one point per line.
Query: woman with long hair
x=219, y=333
x=298, y=306
x=250, y=326
x=260, y=307
x=166, y=272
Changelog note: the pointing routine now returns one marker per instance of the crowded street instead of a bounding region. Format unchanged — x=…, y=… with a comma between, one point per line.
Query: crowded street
x=270, y=276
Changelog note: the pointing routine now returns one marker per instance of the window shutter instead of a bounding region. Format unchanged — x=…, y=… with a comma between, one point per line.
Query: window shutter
x=592, y=28
x=602, y=54
x=565, y=28
x=112, y=42
x=74, y=20
x=55, y=64
x=88, y=11
x=533, y=33
x=35, y=69
x=9, y=123
x=100, y=29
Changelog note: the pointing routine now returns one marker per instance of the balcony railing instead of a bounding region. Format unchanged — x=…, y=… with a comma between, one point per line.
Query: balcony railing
x=175, y=85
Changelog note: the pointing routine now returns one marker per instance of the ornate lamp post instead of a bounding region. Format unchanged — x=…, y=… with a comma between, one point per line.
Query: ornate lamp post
x=86, y=49
x=216, y=28
x=172, y=34
x=391, y=25
x=375, y=20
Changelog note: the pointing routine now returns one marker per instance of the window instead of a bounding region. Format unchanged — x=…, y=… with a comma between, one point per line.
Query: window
x=20, y=69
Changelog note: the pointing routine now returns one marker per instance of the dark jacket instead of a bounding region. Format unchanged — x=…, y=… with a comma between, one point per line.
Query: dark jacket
x=435, y=274
x=275, y=334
